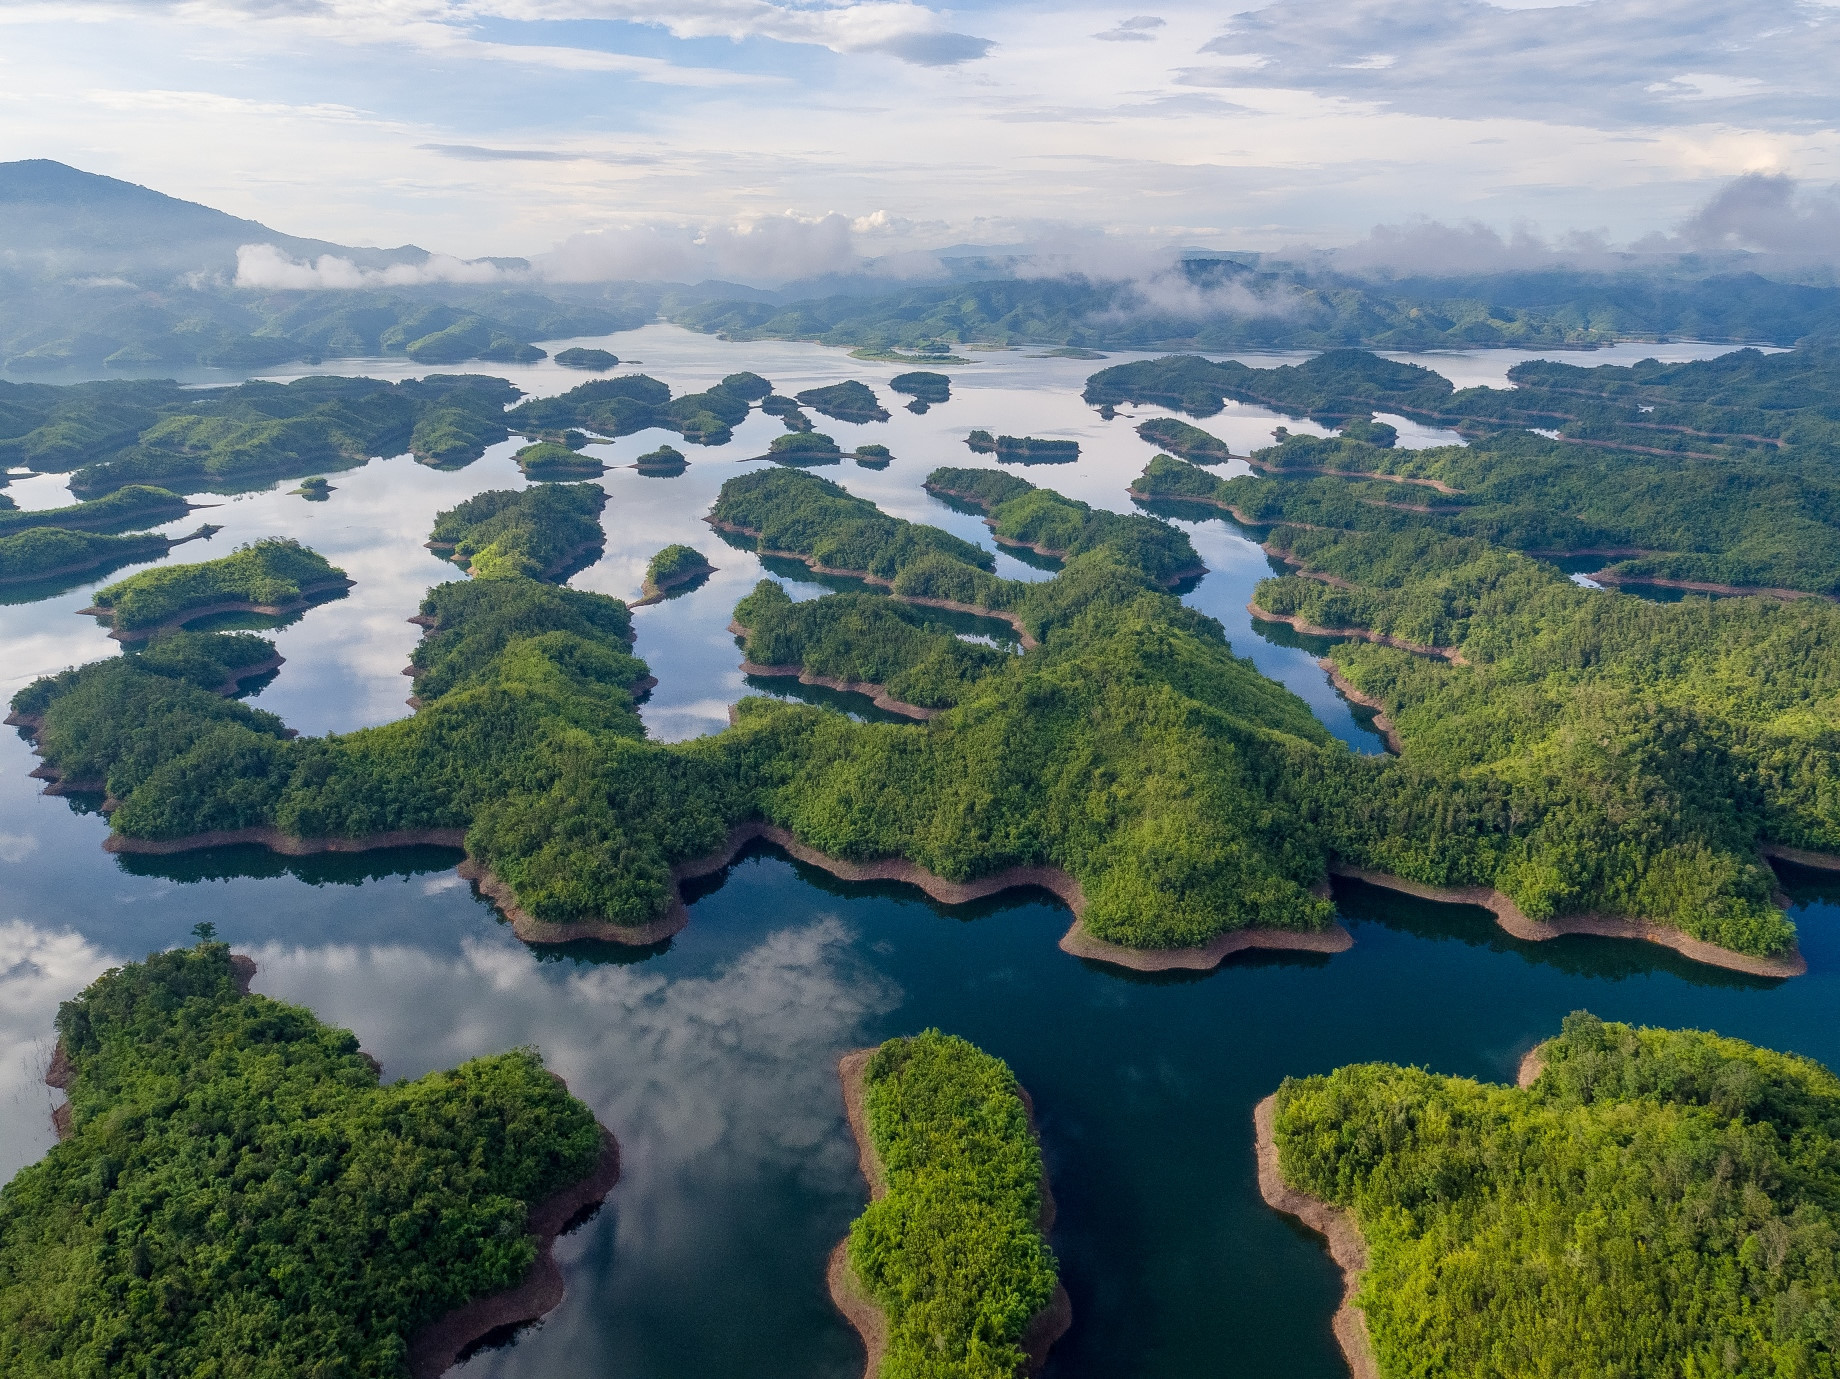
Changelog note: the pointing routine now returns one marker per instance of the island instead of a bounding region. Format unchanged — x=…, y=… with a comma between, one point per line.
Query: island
x=384, y=1227
x=634, y=402
x=803, y=448
x=316, y=489
x=277, y=577
x=1023, y=449
x=135, y=506
x=582, y=357
x=552, y=460
x=45, y=553
x=846, y=401
x=675, y=567
x=923, y=386
x=1190, y=442
x=872, y=456
x=948, y=1271
x=547, y=531
x=1641, y=1205
x=666, y=462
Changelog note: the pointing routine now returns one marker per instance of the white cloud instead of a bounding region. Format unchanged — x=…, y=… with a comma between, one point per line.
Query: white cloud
x=265, y=266
x=16, y=847
x=771, y=249
x=38, y=970
x=1137, y=29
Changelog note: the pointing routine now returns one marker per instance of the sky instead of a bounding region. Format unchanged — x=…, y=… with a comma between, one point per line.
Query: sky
x=765, y=139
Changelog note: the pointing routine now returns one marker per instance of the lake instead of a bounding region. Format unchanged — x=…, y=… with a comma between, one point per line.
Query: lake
x=713, y=1059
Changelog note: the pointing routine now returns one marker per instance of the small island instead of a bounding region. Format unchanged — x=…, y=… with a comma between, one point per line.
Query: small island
x=1023, y=449
x=675, y=567
x=41, y=553
x=1190, y=442
x=923, y=386
x=400, y=1222
x=276, y=577
x=803, y=448
x=948, y=1271
x=666, y=462
x=1634, y=1207
x=582, y=357
x=873, y=456
x=846, y=401
x=553, y=461
x=547, y=531
x=316, y=489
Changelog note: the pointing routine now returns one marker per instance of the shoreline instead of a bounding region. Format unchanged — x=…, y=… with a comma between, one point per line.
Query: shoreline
x=1382, y=724
x=1205, y=958
x=1508, y=916
x=650, y=593
x=1533, y=1063
x=877, y=693
x=1310, y=629
x=972, y=500
x=847, y=1291
x=309, y=595
x=1336, y=1225
x=438, y=1346
x=1697, y=586
x=1801, y=857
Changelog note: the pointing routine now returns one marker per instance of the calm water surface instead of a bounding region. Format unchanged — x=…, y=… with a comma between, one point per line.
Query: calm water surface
x=714, y=1059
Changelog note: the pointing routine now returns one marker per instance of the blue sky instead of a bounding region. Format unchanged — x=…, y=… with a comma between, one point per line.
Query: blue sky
x=712, y=133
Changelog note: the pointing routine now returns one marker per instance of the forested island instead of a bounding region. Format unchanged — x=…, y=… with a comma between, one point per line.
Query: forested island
x=633, y=402
x=846, y=401
x=43, y=553
x=948, y=1271
x=547, y=531
x=674, y=567
x=276, y=577
x=1652, y=1202
x=234, y=1181
x=583, y=358
x=553, y=460
x=1023, y=449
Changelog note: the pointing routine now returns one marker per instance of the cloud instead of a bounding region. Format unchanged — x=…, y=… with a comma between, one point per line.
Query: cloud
x=1605, y=63
x=764, y=251
x=16, y=847
x=475, y=153
x=1137, y=29
x=1768, y=213
x=1422, y=245
x=38, y=970
x=265, y=266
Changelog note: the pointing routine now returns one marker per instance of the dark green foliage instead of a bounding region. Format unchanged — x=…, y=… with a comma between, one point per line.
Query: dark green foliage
x=952, y=1252
x=42, y=552
x=924, y=386
x=1053, y=525
x=777, y=405
x=239, y=1195
x=1034, y=450
x=1334, y=386
x=272, y=572
x=749, y=387
x=673, y=565
x=548, y=460
x=664, y=460
x=981, y=442
x=621, y=406
x=1378, y=433
x=546, y=531
x=134, y=506
x=580, y=358
x=804, y=447
x=208, y=660
x=1659, y=1202
x=865, y=638
x=847, y=401
x=1190, y=442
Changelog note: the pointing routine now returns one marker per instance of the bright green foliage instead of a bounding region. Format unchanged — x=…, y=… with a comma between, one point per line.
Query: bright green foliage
x=808, y=516
x=1659, y=1202
x=239, y=1195
x=865, y=638
x=927, y=387
x=1190, y=442
x=272, y=572
x=1053, y=525
x=548, y=460
x=251, y=434
x=952, y=1252
x=547, y=531
x=803, y=447
x=208, y=660
x=41, y=552
x=674, y=564
x=846, y=401
x=134, y=506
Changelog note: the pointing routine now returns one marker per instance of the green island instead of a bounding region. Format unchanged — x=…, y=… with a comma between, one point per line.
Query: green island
x=235, y=1181
x=674, y=567
x=277, y=576
x=1023, y=449
x=947, y=1274
x=548, y=531
x=40, y=553
x=108, y=436
x=1716, y=475
x=635, y=402
x=137, y=505
x=846, y=401
x=804, y=447
x=1651, y=1202
x=552, y=460
x=778, y=405
x=581, y=357
x=1182, y=804
x=923, y=386
x=315, y=489
x=874, y=456
x=665, y=462
x=1190, y=442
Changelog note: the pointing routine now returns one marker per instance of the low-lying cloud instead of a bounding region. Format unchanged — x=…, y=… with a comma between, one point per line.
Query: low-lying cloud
x=763, y=252
x=265, y=266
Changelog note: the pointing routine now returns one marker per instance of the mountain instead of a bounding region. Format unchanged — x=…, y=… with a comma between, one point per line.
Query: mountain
x=59, y=221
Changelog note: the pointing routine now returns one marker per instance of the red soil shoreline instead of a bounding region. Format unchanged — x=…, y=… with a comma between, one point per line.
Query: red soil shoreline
x=878, y=693
x=309, y=595
x=1310, y=629
x=1382, y=723
x=1508, y=915
x=651, y=593
x=1346, y=1247
x=847, y=1292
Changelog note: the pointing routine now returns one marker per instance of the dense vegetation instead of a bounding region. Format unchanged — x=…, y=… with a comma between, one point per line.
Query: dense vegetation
x=550, y=460
x=125, y=508
x=1024, y=515
x=42, y=552
x=672, y=566
x=665, y=460
x=240, y=1195
x=1721, y=471
x=582, y=358
x=546, y=531
x=846, y=401
x=277, y=572
x=1190, y=442
x=804, y=447
x=213, y=661
x=952, y=1252
x=1658, y=1202
x=923, y=386
x=634, y=402
x=108, y=436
